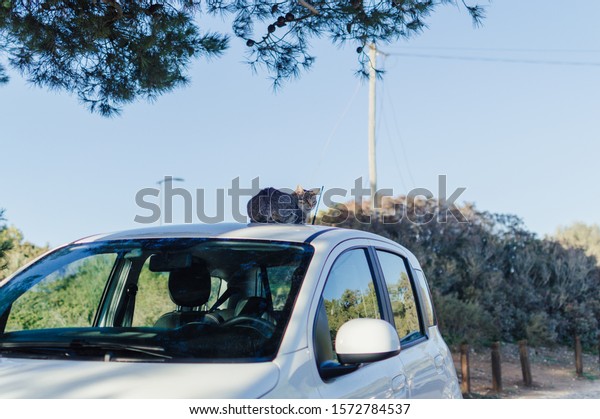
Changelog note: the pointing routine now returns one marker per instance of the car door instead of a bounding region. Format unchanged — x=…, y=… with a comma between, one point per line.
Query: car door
x=423, y=364
x=351, y=290
x=444, y=382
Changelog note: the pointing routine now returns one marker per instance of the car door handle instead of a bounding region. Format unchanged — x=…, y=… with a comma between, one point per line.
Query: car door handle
x=399, y=383
x=439, y=364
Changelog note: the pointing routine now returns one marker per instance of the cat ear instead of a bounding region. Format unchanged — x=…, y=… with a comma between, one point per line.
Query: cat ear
x=316, y=191
x=299, y=190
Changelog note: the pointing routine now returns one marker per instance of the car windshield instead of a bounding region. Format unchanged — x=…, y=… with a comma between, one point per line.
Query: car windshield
x=163, y=300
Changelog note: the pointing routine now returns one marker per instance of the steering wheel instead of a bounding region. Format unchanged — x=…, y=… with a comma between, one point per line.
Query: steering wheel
x=262, y=326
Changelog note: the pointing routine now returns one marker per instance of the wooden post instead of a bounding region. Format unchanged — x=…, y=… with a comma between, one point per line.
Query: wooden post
x=465, y=384
x=496, y=369
x=578, y=357
x=525, y=366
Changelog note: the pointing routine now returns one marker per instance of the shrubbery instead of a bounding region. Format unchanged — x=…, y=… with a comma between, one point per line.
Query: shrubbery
x=5, y=244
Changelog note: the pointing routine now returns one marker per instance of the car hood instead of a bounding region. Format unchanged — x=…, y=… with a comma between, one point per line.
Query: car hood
x=31, y=378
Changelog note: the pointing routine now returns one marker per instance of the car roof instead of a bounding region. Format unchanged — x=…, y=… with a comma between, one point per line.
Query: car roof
x=279, y=232
x=296, y=233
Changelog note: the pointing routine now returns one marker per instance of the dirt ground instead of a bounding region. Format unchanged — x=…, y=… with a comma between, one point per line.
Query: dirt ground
x=553, y=372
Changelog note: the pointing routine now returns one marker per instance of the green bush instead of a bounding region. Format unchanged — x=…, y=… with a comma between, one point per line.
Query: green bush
x=460, y=321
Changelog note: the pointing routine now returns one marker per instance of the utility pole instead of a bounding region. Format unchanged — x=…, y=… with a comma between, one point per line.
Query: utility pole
x=372, y=167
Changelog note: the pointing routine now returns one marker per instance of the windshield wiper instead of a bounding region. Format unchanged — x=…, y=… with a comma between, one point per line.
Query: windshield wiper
x=107, y=347
x=33, y=349
x=79, y=347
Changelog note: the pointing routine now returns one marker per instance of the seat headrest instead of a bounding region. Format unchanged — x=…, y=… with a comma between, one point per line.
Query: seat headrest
x=190, y=287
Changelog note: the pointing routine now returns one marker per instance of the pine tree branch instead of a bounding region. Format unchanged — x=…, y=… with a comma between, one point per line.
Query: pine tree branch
x=308, y=6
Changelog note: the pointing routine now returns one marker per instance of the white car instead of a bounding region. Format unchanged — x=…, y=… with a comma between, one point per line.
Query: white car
x=223, y=311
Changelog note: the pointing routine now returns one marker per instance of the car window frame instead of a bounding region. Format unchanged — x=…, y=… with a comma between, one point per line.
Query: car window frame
x=113, y=307
x=423, y=279
x=416, y=292
x=383, y=300
x=104, y=304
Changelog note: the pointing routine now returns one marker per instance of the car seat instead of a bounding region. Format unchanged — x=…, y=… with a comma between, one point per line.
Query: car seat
x=189, y=289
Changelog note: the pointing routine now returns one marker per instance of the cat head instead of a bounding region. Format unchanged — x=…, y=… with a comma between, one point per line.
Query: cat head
x=307, y=198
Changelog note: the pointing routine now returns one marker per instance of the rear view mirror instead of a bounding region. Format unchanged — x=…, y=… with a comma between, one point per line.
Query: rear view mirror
x=167, y=262
x=366, y=340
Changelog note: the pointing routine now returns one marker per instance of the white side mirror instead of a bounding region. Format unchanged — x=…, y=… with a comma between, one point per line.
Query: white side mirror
x=366, y=340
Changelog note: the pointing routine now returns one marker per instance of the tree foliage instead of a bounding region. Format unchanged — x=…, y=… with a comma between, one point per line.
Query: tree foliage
x=491, y=278
x=581, y=235
x=19, y=250
x=351, y=304
x=152, y=299
x=107, y=52
x=64, y=299
x=111, y=52
x=5, y=244
x=403, y=306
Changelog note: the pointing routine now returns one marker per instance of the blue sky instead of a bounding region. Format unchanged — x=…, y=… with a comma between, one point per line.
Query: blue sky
x=521, y=137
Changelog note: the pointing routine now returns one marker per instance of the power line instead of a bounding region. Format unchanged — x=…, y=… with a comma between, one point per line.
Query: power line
x=500, y=60
x=397, y=163
x=400, y=140
x=382, y=113
x=387, y=129
x=528, y=50
x=334, y=129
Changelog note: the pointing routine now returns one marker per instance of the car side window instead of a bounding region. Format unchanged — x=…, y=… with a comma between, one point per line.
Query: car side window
x=68, y=297
x=427, y=299
x=402, y=296
x=349, y=293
